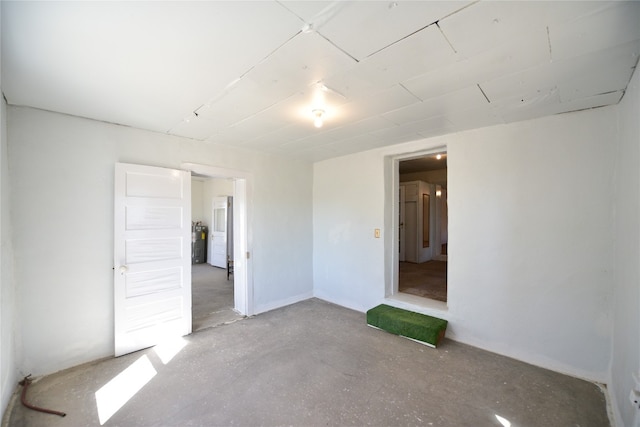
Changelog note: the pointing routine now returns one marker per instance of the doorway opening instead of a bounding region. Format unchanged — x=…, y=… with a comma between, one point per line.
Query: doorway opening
x=423, y=226
x=212, y=278
x=221, y=271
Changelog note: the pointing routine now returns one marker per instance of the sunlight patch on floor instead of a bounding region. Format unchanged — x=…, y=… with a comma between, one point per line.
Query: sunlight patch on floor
x=168, y=349
x=113, y=395
x=505, y=422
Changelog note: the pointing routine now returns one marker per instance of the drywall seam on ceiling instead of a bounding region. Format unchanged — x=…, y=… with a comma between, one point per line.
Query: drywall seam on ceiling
x=483, y=93
x=225, y=91
x=424, y=28
x=446, y=38
x=410, y=93
x=401, y=38
x=338, y=47
x=459, y=10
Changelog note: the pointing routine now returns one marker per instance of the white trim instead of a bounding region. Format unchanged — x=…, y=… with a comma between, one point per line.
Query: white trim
x=392, y=194
x=215, y=172
x=242, y=231
x=418, y=304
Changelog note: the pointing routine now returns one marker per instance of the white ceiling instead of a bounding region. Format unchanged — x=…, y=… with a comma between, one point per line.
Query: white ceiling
x=249, y=73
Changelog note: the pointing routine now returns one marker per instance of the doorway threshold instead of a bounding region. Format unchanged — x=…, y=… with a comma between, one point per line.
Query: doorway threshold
x=223, y=317
x=417, y=304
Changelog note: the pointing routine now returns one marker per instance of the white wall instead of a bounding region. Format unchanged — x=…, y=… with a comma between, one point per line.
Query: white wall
x=62, y=197
x=348, y=204
x=530, y=226
x=197, y=200
x=9, y=340
x=626, y=304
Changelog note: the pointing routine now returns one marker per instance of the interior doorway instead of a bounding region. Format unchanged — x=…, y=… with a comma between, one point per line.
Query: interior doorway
x=423, y=227
x=212, y=278
x=240, y=184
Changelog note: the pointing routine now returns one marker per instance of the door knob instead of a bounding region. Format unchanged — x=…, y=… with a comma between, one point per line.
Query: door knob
x=123, y=269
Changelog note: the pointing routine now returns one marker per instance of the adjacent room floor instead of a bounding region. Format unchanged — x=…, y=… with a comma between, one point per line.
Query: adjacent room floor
x=311, y=363
x=212, y=297
x=427, y=279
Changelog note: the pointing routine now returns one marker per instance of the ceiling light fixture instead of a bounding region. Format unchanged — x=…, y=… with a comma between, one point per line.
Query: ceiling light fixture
x=439, y=156
x=317, y=117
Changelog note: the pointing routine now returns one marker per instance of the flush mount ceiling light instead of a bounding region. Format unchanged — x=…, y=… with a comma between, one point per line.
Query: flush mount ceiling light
x=317, y=117
x=438, y=156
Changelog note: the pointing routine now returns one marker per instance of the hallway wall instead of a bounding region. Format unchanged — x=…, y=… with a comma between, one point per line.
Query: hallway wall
x=9, y=337
x=62, y=171
x=530, y=237
x=197, y=200
x=625, y=356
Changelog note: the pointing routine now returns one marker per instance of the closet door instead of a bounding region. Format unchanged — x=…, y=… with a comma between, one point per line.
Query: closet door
x=219, y=232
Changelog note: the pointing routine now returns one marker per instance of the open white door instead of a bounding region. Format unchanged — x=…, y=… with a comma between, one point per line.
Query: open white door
x=152, y=256
x=218, y=236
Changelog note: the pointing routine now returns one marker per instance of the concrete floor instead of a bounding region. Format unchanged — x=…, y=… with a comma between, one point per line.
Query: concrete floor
x=212, y=297
x=314, y=363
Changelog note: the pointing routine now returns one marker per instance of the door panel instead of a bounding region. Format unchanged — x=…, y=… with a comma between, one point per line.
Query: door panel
x=152, y=238
x=150, y=185
x=148, y=250
x=144, y=218
x=219, y=233
x=148, y=282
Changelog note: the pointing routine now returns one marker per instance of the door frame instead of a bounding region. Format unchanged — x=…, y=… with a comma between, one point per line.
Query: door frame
x=401, y=219
x=392, y=213
x=242, y=231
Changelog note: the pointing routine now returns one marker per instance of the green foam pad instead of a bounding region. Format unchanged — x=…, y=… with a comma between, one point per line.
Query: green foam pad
x=420, y=327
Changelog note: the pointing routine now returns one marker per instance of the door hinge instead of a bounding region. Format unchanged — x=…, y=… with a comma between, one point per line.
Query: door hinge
x=248, y=255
